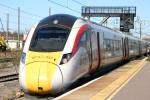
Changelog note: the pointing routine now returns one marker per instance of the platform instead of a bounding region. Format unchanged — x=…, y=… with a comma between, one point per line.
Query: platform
x=138, y=88
x=129, y=82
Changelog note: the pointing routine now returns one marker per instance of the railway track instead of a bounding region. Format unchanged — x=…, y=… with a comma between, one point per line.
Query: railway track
x=8, y=77
x=6, y=60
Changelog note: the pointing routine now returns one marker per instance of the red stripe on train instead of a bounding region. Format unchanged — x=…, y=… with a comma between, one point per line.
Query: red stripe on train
x=79, y=35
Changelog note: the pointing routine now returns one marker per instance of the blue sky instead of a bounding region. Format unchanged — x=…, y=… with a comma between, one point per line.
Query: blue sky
x=41, y=7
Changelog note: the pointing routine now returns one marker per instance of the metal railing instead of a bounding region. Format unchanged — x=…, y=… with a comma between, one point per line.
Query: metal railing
x=108, y=10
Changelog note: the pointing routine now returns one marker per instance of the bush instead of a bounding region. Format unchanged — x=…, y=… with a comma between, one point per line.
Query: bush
x=17, y=55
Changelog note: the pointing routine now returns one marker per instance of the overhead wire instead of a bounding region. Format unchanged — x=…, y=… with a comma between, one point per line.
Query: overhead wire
x=79, y=2
x=16, y=23
x=22, y=11
x=64, y=6
x=31, y=14
x=7, y=7
x=70, y=8
x=28, y=13
x=14, y=15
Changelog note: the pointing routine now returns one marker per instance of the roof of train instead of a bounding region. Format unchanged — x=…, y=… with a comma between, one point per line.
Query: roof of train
x=112, y=30
x=63, y=20
x=67, y=21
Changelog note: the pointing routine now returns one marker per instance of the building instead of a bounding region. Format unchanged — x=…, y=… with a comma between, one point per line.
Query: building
x=12, y=44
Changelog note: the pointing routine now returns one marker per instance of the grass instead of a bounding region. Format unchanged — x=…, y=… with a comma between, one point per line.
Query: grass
x=11, y=56
x=16, y=59
x=6, y=60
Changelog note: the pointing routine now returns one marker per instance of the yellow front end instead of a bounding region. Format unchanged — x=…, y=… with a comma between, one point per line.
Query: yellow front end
x=40, y=68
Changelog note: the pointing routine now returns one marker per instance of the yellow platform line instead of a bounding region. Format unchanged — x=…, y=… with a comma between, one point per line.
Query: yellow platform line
x=111, y=90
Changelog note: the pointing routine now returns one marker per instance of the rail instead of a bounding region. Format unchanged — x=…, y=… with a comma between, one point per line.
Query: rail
x=9, y=77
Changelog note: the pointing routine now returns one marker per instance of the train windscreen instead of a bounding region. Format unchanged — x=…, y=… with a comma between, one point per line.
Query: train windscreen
x=50, y=39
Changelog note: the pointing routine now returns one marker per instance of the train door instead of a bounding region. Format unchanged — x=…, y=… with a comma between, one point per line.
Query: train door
x=89, y=47
x=98, y=46
x=94, y=50
x=126, y=48
x=123, y=48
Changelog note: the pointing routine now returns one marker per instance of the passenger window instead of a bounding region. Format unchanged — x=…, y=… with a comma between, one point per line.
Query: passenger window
x=112, y=45
x=119, y=45
x=104, y=45
x=115, y=46
x=131, y=44
x=83, y=40
x=109, y=45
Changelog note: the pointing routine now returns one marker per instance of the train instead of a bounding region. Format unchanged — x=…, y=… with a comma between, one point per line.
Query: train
x=62, y=48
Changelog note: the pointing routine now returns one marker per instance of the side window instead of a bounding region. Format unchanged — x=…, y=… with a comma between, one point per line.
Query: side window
x=83, y=39
x=104, y=43
x=118, y=44
x=115, y=45
x=108, y=45
x=112, y=45
x=131, y=44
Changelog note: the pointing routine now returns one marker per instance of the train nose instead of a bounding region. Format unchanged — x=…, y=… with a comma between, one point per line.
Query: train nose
x=40, y=78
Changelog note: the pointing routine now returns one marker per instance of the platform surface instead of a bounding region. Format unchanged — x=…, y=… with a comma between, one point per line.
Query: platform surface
x=138, y=88
x=117, y=85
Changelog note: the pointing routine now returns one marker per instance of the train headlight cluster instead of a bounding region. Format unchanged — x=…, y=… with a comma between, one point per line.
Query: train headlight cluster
x=23, y=57
x=65, y=58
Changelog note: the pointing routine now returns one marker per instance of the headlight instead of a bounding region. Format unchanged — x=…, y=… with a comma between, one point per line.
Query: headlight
x=23, y=57
x=65, y=58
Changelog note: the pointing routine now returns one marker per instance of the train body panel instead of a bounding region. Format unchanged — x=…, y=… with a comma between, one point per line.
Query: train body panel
x=22, y=68
x=112, y=44
x=71, y=39
x=62, y=48
x=42, y=67
x=133, y=47
x=76, y=67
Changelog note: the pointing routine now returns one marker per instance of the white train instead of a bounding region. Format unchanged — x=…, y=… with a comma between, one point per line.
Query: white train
x=62, y=48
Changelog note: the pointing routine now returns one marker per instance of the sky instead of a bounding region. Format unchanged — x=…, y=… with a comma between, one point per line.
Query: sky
x=34, y=10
